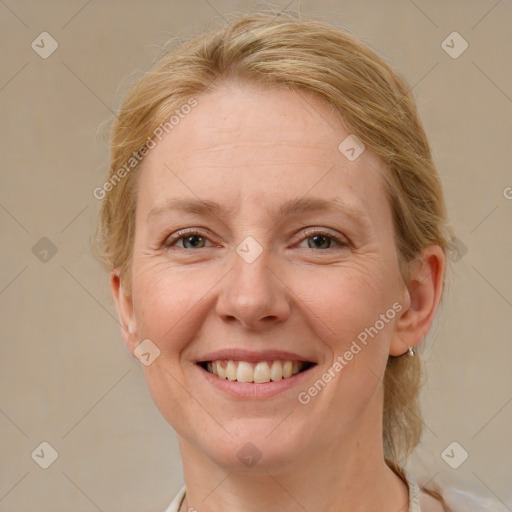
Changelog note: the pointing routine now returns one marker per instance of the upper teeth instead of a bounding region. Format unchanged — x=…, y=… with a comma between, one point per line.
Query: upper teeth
x=261, y=372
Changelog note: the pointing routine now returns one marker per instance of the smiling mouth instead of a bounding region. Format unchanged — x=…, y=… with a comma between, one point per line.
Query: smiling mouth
x=258, y=373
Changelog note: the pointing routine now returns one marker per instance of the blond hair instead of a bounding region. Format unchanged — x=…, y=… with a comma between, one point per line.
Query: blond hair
x=369, y=96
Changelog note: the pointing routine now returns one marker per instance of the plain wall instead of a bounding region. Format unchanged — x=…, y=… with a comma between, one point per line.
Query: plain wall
x=66, y=377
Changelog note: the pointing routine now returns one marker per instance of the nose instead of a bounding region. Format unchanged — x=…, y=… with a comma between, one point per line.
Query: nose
x=253, y=294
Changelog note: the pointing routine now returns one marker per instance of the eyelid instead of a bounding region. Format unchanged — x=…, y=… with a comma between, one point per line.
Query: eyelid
x=341, y=241
x=182, y=233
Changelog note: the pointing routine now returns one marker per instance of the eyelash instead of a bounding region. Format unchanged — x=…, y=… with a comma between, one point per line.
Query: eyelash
x=179, y=235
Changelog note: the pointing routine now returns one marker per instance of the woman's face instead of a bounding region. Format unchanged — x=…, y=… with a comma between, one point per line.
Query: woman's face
x=296, y=261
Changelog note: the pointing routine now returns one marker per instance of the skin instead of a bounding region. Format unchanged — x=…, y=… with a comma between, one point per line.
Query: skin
x=251, y=149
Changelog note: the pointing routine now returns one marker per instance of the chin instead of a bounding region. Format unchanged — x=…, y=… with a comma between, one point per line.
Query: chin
x=256, y=450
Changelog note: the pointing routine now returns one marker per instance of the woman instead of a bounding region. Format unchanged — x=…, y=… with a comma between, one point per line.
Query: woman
x=275, y=232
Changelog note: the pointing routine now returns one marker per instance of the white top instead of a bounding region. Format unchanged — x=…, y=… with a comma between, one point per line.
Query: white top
x=456, y=499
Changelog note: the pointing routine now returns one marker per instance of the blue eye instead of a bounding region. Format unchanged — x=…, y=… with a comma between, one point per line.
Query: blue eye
x=190, y=240
x=323, y=240
x=193, y=239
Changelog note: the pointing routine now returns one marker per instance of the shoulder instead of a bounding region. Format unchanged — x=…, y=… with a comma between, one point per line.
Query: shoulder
x=457, y=499
x=461, y=499
x=430, y=504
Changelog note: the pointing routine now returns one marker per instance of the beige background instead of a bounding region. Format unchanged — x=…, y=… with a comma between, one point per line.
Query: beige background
x=65, y=376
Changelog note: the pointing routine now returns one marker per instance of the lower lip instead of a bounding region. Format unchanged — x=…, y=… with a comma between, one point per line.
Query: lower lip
x=252, y=389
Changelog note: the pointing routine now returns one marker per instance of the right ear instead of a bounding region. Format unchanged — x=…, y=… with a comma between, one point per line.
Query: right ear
x=124, y=304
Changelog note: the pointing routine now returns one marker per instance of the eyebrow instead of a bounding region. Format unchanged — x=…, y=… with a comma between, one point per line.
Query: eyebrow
x=293, y=206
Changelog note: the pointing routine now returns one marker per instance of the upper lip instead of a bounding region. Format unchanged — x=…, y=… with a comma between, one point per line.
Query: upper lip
x=251, y=356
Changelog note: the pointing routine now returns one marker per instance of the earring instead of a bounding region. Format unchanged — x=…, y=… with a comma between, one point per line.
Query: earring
x=411, y=351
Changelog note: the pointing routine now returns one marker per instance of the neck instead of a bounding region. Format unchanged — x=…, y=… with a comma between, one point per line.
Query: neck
x=348, y=476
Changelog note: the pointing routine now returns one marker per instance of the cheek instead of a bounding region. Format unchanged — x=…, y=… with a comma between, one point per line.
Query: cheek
x=344, y=300
x=168, y=302
x=343, y=307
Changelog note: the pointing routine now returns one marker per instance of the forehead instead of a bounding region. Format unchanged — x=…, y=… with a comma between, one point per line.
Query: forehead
x=253, y=145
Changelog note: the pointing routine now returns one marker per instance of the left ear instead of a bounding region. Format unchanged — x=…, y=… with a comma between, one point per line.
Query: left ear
x=424, y=291
x=124, y=303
